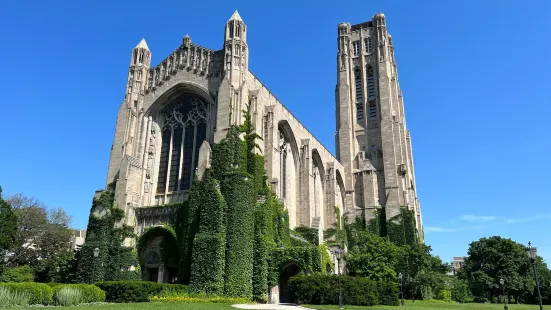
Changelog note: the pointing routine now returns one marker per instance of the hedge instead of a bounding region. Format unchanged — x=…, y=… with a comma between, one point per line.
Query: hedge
x=90, y=293
x=320, y=289
x=136, y=291
x=39, y=293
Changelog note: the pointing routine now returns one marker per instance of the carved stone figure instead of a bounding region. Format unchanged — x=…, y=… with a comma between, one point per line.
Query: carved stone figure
x=184, y=56
x=204, y=66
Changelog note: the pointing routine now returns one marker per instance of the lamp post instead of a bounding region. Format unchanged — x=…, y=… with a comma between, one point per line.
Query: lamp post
x=338, y=253
x=6, y=259
x=57, y=273
x=96, y=254
x=401, y=289
x=502, y=282
x=533, y=254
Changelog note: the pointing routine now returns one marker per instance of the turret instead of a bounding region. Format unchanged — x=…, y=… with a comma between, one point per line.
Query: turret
x=235, y=71
x=235, y=45
x=140, y=61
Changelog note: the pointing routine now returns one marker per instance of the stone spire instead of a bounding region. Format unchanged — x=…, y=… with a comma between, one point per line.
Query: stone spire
x=142, y=44
x=236, y=16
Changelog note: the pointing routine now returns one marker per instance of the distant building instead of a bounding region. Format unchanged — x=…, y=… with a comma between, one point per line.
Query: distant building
x=458, y=262
x=78, y=238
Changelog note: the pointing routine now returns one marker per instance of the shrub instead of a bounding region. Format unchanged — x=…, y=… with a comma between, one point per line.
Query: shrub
x=460, y=291
x=38, y=293
x=137, y=291
x=11, y=298
x=19, y=274
x=90, y=293
x=68, y=296
x=323, y=289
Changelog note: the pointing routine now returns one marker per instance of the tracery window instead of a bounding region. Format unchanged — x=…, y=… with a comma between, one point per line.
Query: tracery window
x=368, y=45
x=371, y=94
x=184, y=129
x=356, y=47
x=359, y=94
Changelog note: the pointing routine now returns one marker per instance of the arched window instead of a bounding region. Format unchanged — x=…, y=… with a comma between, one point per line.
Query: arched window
x=184, y=129
x=371, y=94
x=359, y=94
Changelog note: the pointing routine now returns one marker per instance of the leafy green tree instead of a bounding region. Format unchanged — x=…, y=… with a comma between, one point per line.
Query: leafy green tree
x=460, y=291
x=8, y=225
x=43, y=234
x=489, y=260
x=373, y=257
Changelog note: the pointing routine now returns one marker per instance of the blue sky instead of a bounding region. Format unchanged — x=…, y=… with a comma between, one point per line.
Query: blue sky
x=475, y=76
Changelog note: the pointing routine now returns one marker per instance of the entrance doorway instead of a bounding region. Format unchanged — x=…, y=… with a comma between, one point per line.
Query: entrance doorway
x=289, y=271
x=153, y=274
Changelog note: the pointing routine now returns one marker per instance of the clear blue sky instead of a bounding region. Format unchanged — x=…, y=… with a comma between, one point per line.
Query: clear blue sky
x=475, y=75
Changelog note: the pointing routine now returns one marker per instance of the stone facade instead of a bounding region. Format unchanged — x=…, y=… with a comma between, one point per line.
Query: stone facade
x=173, y=113
x=373, y=143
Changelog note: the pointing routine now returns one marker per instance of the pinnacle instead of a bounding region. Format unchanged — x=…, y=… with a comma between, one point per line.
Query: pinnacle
x=236, y=16
x=142, y=44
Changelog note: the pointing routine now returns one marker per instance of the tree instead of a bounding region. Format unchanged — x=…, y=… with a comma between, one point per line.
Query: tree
x=489, y=260
x=8, y=225
x=250, y=136
x=42, y=233
x=373, y=257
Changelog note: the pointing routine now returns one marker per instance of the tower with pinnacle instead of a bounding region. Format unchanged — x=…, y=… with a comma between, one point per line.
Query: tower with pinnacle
x=373, y=142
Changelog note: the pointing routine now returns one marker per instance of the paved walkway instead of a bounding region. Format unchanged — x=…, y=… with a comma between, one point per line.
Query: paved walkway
x=270, y=307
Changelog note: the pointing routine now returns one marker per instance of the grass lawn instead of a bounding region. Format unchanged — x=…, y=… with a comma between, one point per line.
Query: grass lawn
x=432, y=305
x=151, y=306
x=417, y=305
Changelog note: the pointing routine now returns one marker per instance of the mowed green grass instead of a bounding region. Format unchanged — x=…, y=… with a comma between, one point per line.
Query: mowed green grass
x=417, y=305
x=149, y=306
x=432, y=305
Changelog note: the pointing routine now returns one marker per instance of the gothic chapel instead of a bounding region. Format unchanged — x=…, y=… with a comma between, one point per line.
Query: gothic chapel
x=173, y=112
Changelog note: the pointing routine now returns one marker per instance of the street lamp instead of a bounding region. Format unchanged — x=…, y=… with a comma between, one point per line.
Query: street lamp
x=533, y=254
x=57, y=273
x=401, y=289
x=6, y=259
x=502, y=282
x=338, y=252
x=96, y=254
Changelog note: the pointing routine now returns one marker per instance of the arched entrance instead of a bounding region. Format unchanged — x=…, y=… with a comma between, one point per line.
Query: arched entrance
x=290, y=270
x=157, y=248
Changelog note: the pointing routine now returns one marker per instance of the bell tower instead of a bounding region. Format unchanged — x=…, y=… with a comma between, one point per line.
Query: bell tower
x=373, y=143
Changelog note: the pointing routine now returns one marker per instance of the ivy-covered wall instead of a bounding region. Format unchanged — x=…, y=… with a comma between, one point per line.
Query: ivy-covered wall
x=106, y=233
x=237, y=189
x=401, y=228
x=209, y=246
x=232, y=235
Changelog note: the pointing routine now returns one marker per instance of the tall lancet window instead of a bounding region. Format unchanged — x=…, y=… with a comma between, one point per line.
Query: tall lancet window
x=371, y=94
x=359, y=95
x=184, y=128
x=283, y=145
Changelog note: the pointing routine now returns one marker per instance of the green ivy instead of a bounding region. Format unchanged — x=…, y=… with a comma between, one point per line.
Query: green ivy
x=374, y=224
x=401, y=228
x=105, y=233
x=309, y=234
x=208, y=260
x=238, y=190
